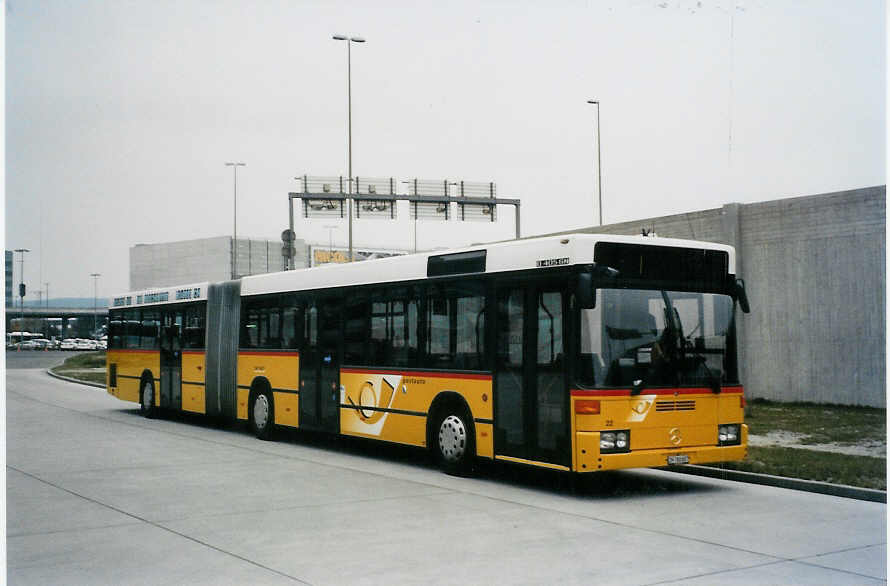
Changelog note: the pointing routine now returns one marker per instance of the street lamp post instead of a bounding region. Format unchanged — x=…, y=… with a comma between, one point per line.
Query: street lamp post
x=95, y=295
x=413, y=205
x=599, y=164
x=234, y=167
x=349, y=41
x=22, y=251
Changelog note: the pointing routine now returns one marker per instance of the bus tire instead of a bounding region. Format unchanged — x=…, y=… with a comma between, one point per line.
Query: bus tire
x=262, y=414
x=147, y=398
x=454, y=440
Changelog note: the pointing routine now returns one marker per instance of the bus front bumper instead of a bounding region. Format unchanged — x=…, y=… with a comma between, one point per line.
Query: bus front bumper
x=589, y=459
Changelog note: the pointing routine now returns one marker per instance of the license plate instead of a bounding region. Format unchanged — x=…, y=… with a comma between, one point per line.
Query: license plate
x=679, y=459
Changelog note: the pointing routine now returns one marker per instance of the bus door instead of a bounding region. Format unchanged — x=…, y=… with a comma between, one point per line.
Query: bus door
x=320, y=365
x=531, y=403
x=171, y=360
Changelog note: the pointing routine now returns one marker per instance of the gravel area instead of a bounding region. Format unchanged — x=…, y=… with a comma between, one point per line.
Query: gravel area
x=789, y=439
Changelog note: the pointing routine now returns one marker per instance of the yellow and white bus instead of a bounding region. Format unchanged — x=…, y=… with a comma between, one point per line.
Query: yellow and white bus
x=578, y=353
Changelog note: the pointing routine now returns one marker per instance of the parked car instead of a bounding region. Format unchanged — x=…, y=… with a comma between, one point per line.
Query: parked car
x=68, y=344
x=82, y=344
x=26, y=345
x=42, y=344
x=103, y=345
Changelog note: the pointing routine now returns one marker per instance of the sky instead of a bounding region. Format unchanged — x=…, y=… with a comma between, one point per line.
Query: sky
x=120, y=115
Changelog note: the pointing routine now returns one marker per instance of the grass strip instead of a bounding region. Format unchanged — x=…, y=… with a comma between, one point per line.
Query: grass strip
x=74, y=366
x=818, y=424
x=861, y=471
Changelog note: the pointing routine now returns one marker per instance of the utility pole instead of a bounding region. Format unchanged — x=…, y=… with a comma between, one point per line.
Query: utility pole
x=349, y=42
x=234, y=167
x=95, y=294
x=599, y=161
x=22, y=251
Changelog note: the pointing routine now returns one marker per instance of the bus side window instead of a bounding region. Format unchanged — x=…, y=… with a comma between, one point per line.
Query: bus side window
x=151, y=323
x=291, y=323
x=549, y=329
x=116, y=330
x=404, y=329
x=355, y=336
x=269, y=332
x=194, y=326
x=438, y=320
x=394, y=327
x=310, y=330
x=273, y=337
x=379, y=338
x=133, y=323
x=456, y=326
x=250, y=325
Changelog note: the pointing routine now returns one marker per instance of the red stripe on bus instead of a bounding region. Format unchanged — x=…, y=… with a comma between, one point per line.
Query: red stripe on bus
x=603, y=393
x=260, y=353
x=194, y=352
x=626, y=392
x=415, y=373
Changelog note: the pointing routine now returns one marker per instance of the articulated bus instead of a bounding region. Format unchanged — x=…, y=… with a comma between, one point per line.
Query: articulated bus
x=577, y=353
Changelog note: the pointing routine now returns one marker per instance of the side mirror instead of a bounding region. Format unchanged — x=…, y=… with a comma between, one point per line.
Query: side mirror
x=584, y=294
x=742, y=296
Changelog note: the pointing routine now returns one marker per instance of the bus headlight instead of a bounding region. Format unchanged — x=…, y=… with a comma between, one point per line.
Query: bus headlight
x=729, y=435
x=613, y=442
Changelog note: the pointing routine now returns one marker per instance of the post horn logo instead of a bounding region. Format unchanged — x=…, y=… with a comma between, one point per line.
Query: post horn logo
x=676, y=437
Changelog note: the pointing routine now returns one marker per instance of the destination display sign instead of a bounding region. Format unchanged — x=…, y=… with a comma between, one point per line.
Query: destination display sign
x=155, y=296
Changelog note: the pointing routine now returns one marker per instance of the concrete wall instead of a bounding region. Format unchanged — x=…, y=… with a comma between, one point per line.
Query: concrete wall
x=815, y=273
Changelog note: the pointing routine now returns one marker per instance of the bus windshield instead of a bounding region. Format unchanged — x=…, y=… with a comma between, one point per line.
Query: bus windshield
x=657, y=338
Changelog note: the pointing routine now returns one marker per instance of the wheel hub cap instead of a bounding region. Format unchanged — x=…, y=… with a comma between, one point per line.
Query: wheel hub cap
x=261, y=411
x=452, y=438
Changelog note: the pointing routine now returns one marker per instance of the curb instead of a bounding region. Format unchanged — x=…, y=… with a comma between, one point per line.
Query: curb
x=842, y=490
x=74, y=380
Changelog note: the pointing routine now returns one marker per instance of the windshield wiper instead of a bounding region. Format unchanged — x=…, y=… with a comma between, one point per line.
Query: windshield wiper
x=713, y=379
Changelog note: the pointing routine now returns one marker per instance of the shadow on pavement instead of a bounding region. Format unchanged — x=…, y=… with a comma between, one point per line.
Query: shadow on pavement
x=618, y=484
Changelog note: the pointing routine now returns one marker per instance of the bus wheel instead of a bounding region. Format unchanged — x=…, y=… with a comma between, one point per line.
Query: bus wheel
x=262, y=415
x=455, y=445
x=147, y=399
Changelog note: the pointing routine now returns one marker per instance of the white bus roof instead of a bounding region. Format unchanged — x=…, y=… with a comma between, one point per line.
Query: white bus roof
x=513, y=255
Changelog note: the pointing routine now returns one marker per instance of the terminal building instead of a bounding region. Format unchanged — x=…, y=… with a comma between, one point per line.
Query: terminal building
x=9, y=297
x=210, y=259
x=205, y=259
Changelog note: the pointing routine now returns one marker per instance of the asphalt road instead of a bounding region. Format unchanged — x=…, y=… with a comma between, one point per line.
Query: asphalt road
x=98, y=495
x=36, y=358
